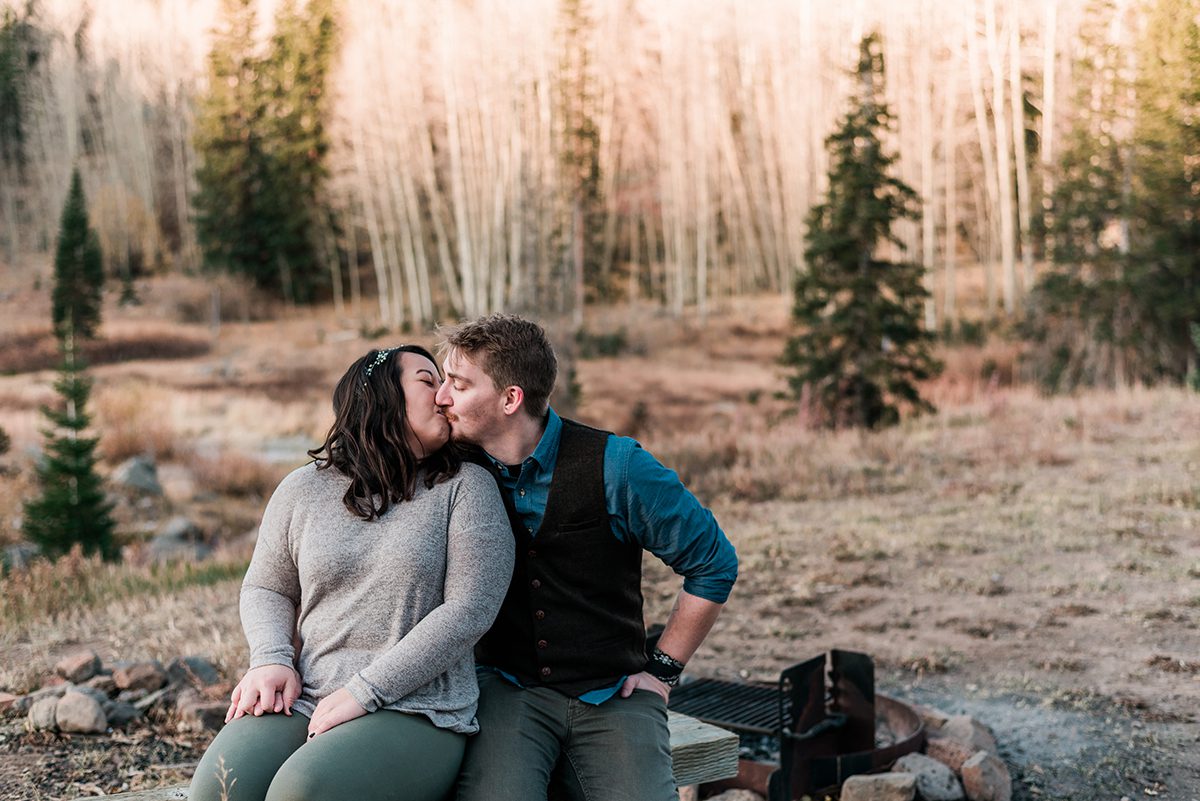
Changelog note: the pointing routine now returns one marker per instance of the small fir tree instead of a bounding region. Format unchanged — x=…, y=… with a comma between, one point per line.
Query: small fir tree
x=861, y=347
x=72, y=507
x=78, y=268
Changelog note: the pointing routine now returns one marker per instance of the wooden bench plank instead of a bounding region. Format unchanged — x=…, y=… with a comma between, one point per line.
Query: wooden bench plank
x=700, y=752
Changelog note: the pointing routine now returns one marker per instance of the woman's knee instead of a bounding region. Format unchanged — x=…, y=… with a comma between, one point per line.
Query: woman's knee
x=304, y=780
x=240, y=762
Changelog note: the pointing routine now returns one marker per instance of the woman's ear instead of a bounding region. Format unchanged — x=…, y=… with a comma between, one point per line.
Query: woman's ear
x=513, y=397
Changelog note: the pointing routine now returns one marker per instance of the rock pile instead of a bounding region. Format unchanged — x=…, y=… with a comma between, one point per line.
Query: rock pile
x=961, y=761
x=85, y=697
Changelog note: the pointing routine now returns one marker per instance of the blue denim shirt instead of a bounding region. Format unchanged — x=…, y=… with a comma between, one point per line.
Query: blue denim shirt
x=646, y=503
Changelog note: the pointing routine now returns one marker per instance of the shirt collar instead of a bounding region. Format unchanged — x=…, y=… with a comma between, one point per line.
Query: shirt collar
x=546, y=452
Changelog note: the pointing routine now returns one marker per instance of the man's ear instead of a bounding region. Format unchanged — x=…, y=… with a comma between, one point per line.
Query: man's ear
x=514, y=399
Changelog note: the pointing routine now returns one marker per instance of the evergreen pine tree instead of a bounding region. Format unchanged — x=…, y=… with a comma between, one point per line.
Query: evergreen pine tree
x=1118, y=303
x=860, y=347
x=78, y=269
x=72, y=507
x=262, y=139
x=579, y=159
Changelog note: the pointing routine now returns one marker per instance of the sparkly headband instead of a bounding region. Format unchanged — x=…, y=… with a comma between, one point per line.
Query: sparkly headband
x=380, y=358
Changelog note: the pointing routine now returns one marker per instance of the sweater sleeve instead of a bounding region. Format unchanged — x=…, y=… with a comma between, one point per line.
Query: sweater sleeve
x=479, y=563
x=271, y=590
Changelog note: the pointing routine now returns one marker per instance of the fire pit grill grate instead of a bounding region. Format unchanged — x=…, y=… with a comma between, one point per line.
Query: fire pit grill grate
x=741, y=708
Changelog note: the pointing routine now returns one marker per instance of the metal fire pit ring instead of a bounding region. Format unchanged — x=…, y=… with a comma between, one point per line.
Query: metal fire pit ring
x=824, y=718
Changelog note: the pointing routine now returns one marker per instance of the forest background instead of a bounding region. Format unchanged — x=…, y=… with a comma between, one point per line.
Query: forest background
x=276, y=187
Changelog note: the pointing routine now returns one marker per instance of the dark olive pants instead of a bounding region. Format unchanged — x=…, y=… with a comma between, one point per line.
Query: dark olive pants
x=617, y=751
x=383, y=756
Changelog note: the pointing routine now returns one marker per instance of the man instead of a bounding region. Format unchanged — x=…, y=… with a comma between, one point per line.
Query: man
x=564, y=672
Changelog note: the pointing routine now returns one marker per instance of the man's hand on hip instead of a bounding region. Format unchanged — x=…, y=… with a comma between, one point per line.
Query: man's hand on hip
x=644, y=681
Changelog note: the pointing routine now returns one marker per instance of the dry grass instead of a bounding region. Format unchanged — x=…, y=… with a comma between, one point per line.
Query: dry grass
x=48, y=594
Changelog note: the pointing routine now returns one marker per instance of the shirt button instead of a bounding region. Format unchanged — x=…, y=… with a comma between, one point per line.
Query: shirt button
x=532, y=552
x=539, y=615
x=545, y=672
x=529, y=529
x=542, y=643
x=535, y=584
x=521, y=493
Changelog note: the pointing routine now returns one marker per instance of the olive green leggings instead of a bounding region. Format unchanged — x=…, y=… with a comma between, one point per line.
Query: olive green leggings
x=383, y=756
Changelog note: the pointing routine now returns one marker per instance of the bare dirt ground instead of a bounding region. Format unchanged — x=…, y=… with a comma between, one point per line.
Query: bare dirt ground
x=1032, y=561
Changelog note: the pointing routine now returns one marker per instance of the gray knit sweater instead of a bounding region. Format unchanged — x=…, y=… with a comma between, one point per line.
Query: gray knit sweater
x=389, y=609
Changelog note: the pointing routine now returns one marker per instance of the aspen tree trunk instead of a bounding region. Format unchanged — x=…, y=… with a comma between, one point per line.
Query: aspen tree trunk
x=374, y=233
x=924, y=90
x=1003, y=163
x=987, y=153
x=950, y=204
x=1017, y=98
x=1049, y=84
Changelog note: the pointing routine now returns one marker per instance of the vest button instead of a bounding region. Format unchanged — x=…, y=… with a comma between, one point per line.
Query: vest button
x=539, y=615
x=545, y=672
x=542, y=643
x=532, y=552
x=535, y=584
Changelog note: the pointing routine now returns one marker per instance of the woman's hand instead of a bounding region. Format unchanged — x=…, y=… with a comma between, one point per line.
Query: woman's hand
x=266, y=689
x=334, y=710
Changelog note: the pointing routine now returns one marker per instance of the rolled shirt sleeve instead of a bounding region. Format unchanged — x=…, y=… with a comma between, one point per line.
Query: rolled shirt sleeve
x=648, y=503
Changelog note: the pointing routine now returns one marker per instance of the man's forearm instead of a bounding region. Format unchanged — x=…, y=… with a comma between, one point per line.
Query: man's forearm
x=690, y=621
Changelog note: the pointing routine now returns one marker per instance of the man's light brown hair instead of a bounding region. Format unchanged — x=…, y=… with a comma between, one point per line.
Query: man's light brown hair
x=511, y=350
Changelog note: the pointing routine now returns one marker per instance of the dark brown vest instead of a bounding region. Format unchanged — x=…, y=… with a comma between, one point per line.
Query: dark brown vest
x=572, y=618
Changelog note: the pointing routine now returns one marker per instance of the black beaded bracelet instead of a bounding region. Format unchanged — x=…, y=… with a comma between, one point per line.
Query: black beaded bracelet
x=664, y=667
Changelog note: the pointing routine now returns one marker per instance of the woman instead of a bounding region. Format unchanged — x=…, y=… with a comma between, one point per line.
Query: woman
x=390, y=557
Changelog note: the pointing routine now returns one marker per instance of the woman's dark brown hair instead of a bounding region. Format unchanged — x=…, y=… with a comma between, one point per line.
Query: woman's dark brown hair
x=367, y=440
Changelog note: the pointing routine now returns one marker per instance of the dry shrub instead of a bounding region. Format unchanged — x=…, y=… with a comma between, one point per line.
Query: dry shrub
x=36, y=349
x=231, y=300
x=131, y=419
x=973, y=373
x=236, y=474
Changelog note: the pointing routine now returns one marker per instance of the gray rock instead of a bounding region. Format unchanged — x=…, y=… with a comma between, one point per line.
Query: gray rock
x=91, y=692
x=148, y=675
x=131, y=696
x=935, y=781
x=181, y=529
x=119, y=713
x=25, y=703
x=880, y=787
x=78, y=666
x=42, y=714
x=171, y=549
x=139, y=474
x=158, y=698
x=949, y=752
x=7, y=701
x=18, y=556
x=80, y=713
x=985, y=778
x=194, y=670
x=736, y=795
x=971, y=733
x=197, y=713
x=104, y=683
